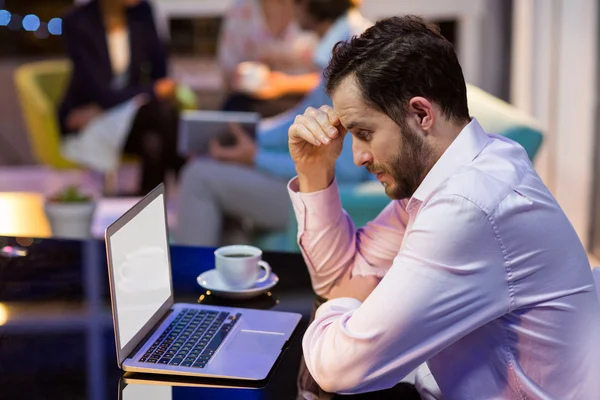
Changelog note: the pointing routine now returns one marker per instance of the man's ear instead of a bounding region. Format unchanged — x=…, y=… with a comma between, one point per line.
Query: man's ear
x=421, y=110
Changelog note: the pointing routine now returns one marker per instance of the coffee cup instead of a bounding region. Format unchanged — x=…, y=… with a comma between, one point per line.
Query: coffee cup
x=251, y=76
x=239, y=266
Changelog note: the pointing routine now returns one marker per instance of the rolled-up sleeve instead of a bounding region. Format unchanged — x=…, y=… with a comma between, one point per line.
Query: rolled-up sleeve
x=332, y=246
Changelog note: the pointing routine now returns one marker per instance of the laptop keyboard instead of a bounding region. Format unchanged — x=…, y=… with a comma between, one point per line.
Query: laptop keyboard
x=191, y=339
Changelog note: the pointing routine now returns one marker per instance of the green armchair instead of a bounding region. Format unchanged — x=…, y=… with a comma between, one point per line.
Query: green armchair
x=364, y=201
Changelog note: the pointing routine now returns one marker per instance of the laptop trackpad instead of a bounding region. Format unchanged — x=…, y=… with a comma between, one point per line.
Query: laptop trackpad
x=257, y=342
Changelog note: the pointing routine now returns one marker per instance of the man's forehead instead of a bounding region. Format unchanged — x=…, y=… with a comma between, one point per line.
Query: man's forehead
x=347, y=99
x=347, y=88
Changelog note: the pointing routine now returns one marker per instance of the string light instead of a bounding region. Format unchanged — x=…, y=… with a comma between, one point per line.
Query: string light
x=4, y=18
x=55, y=26
x=30, y=23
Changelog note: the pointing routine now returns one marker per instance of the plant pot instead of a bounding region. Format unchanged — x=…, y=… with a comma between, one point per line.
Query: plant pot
x=70, y=220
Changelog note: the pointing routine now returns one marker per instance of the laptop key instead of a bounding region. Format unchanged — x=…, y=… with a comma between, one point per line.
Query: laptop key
x=176, y=361
x=186, y=364
x=163, y=361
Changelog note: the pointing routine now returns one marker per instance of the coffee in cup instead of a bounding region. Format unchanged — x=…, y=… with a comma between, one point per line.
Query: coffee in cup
x=239, y=266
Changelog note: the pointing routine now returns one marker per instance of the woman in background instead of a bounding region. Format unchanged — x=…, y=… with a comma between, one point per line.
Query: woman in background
x=265, y=31
x=119, y=97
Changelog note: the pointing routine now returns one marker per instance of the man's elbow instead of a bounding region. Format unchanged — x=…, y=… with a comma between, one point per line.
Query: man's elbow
x=322, y=288
x=335, y=377
x=333, y=384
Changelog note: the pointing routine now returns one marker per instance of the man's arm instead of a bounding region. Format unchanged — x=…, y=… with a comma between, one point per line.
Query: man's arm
x=331, y=245
x=448, y=280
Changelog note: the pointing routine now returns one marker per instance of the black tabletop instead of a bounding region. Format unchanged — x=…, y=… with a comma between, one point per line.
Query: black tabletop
x=57, y=340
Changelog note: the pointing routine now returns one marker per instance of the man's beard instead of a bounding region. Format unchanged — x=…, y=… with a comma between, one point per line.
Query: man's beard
x=408, y=167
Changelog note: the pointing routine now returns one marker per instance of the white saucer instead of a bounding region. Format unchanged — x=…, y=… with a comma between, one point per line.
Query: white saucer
x=210, y=280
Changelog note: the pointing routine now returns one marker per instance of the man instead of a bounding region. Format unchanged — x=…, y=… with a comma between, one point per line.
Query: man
x=249, y=181
x=472, y=268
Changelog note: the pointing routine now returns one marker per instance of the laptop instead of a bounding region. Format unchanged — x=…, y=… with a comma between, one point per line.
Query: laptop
x=198, y=127
x=155, y=335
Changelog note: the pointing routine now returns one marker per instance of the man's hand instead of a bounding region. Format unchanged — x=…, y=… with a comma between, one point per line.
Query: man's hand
x=243, y=152
x=315, y=141
x=358, y=287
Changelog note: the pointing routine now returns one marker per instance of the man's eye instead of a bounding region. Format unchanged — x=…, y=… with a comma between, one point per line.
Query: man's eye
x=364, y=135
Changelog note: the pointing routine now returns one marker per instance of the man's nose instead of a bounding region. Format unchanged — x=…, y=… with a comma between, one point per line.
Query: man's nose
x=362, y=156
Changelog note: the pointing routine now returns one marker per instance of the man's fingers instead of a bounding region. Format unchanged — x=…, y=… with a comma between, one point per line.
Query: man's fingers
x=301, y=131
x=314, y=127
x=323, y=120
x=334, y=118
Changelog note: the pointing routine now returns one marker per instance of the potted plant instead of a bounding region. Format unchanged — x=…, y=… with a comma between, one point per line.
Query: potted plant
x=70, y=213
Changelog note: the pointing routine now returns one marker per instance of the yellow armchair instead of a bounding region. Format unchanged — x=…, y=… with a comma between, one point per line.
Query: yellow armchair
x=40, y=87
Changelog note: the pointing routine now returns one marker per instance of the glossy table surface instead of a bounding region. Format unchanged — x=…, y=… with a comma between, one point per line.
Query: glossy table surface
x=57, y=340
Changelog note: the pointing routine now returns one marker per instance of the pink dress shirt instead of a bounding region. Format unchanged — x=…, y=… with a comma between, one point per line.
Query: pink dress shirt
x=484, y=279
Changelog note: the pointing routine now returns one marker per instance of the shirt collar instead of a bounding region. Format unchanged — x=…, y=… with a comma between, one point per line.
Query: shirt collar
x=467, y=145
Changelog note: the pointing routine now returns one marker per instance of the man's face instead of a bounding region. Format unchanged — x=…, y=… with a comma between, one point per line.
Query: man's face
x=398, y=155
x=303, y=17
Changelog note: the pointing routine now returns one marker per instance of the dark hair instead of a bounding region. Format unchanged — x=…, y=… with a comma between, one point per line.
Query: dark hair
x=327, y=10
x=397, y=59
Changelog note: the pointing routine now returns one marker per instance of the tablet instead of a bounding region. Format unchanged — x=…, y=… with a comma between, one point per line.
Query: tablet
x=198, y=128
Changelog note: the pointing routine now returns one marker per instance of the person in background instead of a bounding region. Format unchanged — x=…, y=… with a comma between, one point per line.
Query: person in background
x=473, y=268
x=248, y=181
x=119, y=97
x=264, y=33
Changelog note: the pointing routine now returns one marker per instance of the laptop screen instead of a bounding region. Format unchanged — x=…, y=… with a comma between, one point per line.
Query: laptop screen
x=141, y=271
